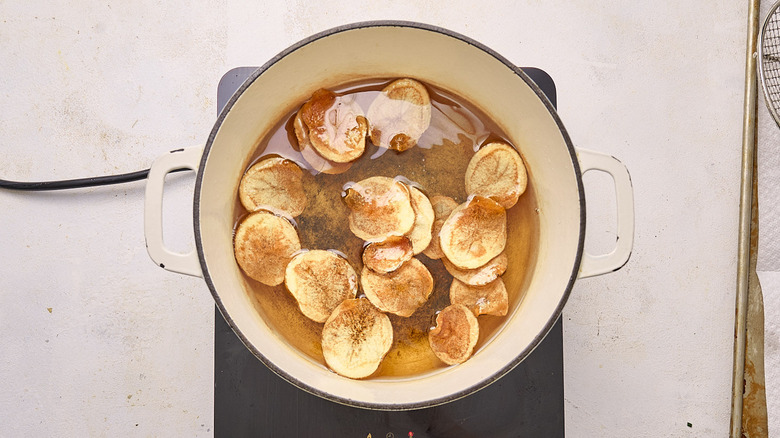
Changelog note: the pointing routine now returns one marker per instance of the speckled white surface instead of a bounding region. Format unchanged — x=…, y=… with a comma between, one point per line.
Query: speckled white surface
x=98, y=341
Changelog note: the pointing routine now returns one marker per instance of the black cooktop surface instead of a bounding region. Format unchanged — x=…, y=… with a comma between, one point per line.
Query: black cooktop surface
x=250, y=400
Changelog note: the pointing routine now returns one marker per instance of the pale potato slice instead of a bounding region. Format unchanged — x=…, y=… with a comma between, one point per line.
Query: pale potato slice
x=433, y=250
x=490, y=299
x=320, y=280
x=356, y=338
x=474, y=233
x=497, y=171
x=380, y=207
x=442, y=207
x=420, y=234
x=389, y=255
x=455, y=335
x=479, y=276
x=263, y=245
x=399, y=115
x=274, y=183
x=336, y=126
x=400, y=292
x=315, y=160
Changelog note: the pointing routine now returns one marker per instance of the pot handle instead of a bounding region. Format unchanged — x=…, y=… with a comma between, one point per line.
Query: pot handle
x=592, y=265
x=188, y=263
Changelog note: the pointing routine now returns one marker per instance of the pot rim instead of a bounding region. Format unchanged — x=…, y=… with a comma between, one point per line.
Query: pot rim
x=343, y=400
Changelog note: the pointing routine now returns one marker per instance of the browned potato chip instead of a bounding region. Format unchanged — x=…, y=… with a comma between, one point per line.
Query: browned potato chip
x=356, y=338
x=400, y=292
x=490, y=299
x=274, y=183
x=320, y=280
x=442, y=207
x=497, y=171
x=420, y=234
x=315, y=160
x=263, y=245
x=474, y=233
x=479, y=276
x=455, y=335
x=336, y=126
x=389, y=255
x=399, y=115
x=380, y=207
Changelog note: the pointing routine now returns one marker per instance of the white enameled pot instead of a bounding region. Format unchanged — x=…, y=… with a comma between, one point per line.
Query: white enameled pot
x=451, y=62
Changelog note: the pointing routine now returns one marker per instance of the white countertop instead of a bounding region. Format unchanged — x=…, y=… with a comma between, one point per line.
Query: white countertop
x=97, y=340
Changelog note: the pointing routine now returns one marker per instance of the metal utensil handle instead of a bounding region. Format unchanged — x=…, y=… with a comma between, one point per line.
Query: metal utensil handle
x=601, y=264
x=188, y=263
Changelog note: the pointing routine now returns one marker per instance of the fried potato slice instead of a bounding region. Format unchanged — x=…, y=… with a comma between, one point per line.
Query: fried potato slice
x=320, y=280
x=380, y=207
x=389, y=255
x=474, y=233
x=274, y=183
x=420, y=234
x=399, y=115
x=490, y=299
x=400, y=292
x=479, y=276
x=336, y=126
x=455, y=335
x=497, y=172
x=433, y=250
x=442, y=207
x=315, y=160
x=356, y=338
x=264, y=244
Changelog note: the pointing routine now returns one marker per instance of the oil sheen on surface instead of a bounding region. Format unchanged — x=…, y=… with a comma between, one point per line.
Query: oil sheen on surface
x=436, y=166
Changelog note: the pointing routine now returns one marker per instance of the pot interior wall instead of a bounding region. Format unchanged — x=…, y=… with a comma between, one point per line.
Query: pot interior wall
x=449, y=63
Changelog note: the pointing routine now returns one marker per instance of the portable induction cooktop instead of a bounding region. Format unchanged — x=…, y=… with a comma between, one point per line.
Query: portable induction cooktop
x=250, y=400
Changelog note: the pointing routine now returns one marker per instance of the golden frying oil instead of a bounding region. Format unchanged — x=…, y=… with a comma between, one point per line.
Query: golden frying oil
x=436, y=165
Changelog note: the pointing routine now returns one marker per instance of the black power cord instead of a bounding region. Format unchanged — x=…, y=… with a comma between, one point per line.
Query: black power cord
x=77, y=183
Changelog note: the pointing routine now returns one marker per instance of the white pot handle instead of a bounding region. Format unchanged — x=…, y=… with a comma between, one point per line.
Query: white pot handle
x=601, y=264
x=188, y=263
